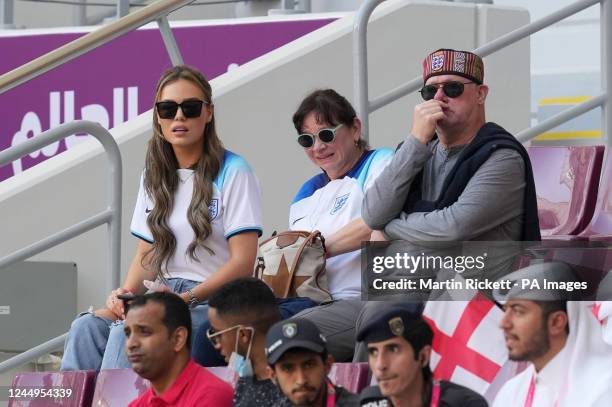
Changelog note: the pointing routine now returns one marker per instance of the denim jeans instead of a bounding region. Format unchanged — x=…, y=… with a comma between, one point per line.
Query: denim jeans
x=206, y=355
x=97, y=343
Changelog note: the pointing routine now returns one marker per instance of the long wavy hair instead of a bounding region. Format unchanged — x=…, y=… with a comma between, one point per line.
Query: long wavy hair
x=161, y=179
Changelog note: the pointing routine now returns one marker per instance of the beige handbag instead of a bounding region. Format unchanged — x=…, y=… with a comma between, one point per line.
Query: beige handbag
x=292, y=263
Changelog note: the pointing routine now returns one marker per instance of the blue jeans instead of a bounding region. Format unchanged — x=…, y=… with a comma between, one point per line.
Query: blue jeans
x=205, y=354
x=97, y=343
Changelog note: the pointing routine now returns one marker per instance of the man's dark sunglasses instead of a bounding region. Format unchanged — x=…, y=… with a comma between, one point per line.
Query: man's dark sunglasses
x=451, y=89
x=190, y=109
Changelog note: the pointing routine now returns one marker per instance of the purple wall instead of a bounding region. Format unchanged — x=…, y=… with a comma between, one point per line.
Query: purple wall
x=115, y=82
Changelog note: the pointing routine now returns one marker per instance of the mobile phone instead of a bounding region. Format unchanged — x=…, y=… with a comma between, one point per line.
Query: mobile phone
x=126, y=296
x=127, y=299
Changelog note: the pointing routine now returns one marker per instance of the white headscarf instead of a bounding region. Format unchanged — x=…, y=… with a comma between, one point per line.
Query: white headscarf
x=589, y=374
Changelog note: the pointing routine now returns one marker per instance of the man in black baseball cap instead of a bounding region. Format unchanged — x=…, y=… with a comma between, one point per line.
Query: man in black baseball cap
x=299, y=361
x=399, y=347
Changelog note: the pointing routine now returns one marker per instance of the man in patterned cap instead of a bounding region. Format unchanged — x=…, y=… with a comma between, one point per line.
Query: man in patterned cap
x=297, y=355
x=399, y=347
x=456, y=177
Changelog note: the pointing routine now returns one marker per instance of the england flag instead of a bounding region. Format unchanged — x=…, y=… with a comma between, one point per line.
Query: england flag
x=468, y=346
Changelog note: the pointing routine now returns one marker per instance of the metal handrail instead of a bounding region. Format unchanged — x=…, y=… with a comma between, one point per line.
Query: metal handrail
x=111, y=215
x=489, y=48
x=31, y=354
x=154, y=12
x=561, y=118
x=360, y=64
x=365, y=106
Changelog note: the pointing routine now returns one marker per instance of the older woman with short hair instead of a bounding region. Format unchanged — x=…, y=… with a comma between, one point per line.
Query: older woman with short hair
x=329, y=132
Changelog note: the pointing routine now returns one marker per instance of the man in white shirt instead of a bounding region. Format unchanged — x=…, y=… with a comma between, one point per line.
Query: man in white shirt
x=559, y=338
x=535, y=331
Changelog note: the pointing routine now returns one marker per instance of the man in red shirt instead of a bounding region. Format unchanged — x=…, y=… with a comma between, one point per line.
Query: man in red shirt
x=158, y=331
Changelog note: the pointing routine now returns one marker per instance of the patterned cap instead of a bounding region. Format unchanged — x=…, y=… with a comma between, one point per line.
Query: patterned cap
x=451, y=62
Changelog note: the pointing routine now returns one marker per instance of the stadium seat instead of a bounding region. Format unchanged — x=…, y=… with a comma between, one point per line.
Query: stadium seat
x=592, y=263
x=117, y=387
x=81, y=384
x=566, y=180
x=600, y=227
x=351, y=376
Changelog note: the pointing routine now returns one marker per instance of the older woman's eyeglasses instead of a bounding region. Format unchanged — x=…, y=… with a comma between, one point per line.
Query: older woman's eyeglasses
x=190, y=108
x=326, y=136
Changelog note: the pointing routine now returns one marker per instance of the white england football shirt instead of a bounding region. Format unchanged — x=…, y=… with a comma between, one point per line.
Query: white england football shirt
x=234, y=208
x=326, y=205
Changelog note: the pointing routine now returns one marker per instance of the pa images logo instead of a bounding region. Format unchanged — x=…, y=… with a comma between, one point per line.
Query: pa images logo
x=213, y=208
x=339, y=203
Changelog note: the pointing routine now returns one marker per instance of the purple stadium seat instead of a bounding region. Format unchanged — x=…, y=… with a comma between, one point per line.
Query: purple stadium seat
x=600, y=227
x=566, y=186
x=118, y=387
x=351, y=376
x=593, y=263
x=81, y=384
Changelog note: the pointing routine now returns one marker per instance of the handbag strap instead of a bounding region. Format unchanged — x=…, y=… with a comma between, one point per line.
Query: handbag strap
x=259, y=269
x=311, y=237
x=316, y=278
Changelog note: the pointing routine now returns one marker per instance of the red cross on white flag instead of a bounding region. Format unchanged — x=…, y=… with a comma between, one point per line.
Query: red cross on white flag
x=602, y=310
x=468, y=347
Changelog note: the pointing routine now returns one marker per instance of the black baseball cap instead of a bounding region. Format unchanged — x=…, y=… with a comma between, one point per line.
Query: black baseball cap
x=291, y=334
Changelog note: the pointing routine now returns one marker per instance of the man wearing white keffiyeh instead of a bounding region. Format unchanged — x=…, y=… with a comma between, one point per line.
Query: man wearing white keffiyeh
x=563, y=339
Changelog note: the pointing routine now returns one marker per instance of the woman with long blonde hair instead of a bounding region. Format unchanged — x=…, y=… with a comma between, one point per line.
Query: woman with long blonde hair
x=197, y=217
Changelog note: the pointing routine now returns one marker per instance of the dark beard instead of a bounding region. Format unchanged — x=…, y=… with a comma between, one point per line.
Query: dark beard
x=537, y=346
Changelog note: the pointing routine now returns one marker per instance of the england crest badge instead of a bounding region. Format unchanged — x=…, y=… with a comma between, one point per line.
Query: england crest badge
x=339, y=203
x=213, y=208
x=437, y=61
